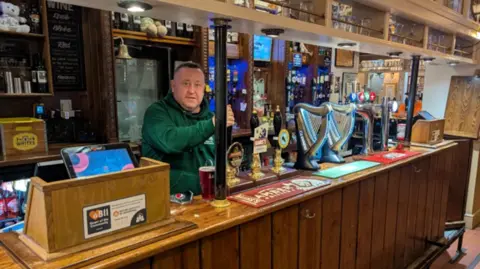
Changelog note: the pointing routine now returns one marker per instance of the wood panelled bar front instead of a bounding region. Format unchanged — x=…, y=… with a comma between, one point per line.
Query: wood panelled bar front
x=384, y=217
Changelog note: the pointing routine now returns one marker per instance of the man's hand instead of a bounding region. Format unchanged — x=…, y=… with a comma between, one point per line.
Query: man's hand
x=230, y=117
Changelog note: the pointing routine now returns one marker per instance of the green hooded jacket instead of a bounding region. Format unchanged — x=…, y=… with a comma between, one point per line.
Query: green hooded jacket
x=180, y=138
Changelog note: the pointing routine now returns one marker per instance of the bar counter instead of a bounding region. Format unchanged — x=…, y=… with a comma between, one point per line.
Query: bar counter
x=381, y=217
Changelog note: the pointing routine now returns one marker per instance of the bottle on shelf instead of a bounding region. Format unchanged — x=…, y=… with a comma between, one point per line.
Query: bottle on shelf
x=116, y=20
x=34, y=73
x=180, y=29
x=169, y=26
x=124, y=21
x=137, y=20
x=35, y=26
x=130, y=23
x=41, y=76
x=189, y=30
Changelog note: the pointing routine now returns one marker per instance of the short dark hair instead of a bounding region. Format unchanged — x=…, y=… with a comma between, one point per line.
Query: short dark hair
x=191, y=65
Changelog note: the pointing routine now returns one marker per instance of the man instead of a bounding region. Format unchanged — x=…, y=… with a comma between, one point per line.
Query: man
x=180, y=129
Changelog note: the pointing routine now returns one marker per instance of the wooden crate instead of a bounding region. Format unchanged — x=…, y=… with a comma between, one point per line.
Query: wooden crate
x=22, y=136
x=428, y=131
x=59, y=213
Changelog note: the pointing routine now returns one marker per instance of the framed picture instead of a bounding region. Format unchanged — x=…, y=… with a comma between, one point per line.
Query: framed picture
x=344, y=58
x=347, y=83
x=390, y=90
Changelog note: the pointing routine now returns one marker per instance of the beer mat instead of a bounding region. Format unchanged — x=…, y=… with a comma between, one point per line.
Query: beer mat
x=345, y=169
x=275, y=192
x=388, y=157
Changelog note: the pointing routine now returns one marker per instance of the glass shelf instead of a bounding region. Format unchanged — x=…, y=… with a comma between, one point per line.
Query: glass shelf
x=439, y=41
x=464, y=47
x=357, y=18
x=404, y=31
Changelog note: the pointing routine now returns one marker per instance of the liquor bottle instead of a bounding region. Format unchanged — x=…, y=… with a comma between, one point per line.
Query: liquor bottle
x=314, y=90
x=41, y=77
x=180, y=29
x=34, y=73
x=116, y=21
x=25, y=13
x=327, y=89
x=130, y=23
x=169, y=26
x=254, y=122
x=124, y=21
x=137, y=20
x=189, y=29
x=35, y=26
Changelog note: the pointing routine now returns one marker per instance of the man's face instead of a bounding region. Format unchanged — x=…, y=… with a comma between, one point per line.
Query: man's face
x=188, y=88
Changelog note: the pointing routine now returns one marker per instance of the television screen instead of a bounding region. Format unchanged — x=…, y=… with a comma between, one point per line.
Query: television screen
x=262, y=48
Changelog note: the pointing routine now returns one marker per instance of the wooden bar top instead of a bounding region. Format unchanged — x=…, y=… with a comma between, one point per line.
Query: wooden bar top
x=209, y=220
x=53, y=154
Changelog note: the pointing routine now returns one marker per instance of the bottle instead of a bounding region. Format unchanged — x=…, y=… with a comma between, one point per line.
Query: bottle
x=41, y=77
x=35, y=26
x=124, y=21
x=34, y=73
x=116, y=21
x=180, y=29
x=254, y=122
x=137, y=20
x=25, y=13
x=130, y=23
x=189, y=29
x=168, y=24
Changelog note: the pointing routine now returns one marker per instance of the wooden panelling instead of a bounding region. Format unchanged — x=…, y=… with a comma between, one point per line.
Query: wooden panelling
x=169, y=259
x=435, y=233
x=462, y=112
x=220, y=251
x=276, y=94
x=365, y=218
x=411, y=215
x=429, y=205
x=256, y=243
x=185, y=257
x=349, y=227
x=310, y=234
x=421, y=176
x=445, y=177
x=458, y=183
x=379, y=219
x=285, y=238
x=401, y=233
x=331, y=223
x=391, y=218
x=145, y=264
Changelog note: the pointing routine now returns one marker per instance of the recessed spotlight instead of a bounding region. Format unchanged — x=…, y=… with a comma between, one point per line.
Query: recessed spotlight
x=452, y=63
x=395, y=54
x=273, y=32
x=346, y=44
x=428, y=60
x=134, y=6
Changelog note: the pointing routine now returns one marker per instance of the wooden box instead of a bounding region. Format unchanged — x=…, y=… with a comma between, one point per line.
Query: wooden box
x=428, y=131
x=73, y=215
x=22, y=136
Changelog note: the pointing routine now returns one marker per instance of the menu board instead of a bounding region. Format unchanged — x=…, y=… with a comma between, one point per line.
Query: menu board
x=66, y=46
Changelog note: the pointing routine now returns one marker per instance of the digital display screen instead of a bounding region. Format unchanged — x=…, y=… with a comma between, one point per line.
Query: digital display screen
x=39, y=110
x=262, y=48
x=100, y=162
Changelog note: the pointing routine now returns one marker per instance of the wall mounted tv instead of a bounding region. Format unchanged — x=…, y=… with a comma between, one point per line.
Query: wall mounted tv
x=262, y=48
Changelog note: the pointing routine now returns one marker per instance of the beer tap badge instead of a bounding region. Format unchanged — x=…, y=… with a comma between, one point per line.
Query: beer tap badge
x=235, y=155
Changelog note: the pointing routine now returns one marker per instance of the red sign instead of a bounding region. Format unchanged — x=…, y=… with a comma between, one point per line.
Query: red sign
x=278, y=191
x=390, y=156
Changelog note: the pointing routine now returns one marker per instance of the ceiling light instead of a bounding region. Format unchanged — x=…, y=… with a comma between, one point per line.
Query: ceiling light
x=273, y=32
x=452, y=63
x=346, y=45
x=395, y=54
x=428, y=60
x=134, y=6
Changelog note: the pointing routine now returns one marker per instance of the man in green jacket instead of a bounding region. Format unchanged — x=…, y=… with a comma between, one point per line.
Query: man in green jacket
x=180, y=129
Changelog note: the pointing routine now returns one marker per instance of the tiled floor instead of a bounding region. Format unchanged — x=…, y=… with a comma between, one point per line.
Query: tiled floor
x=471, y=241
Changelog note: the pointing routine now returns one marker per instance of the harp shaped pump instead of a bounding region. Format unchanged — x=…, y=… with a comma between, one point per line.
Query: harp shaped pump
x=322, y=132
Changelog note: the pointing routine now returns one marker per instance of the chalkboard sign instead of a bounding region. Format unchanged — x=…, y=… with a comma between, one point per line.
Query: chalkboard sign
x=66, y=46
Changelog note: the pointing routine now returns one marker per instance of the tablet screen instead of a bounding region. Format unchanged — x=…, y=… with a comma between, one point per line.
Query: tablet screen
x=93, y=163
